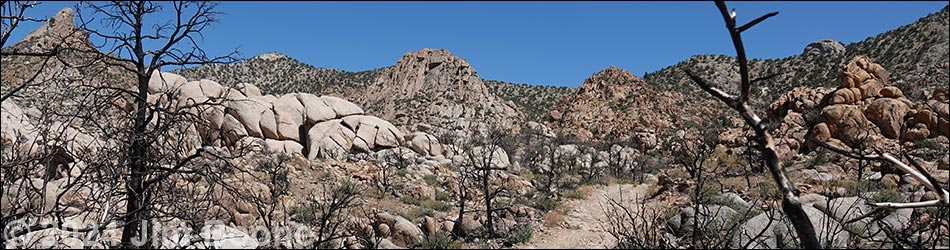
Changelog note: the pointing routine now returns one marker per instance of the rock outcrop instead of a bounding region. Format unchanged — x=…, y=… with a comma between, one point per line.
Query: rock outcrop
x=865, y=108
x=824, y=46
x=301, y=123
x=613, y=104
x=435, y=87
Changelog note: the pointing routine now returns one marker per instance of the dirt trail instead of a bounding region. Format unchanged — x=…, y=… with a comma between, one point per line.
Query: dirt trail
x=582, y=226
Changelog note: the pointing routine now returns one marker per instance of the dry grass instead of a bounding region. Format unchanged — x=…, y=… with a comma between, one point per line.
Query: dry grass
x=555, y=217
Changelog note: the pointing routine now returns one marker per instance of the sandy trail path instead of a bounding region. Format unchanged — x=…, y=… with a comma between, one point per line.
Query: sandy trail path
x=582, y=227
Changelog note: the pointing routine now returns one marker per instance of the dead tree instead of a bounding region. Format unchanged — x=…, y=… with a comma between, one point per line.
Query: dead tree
x=483, y=164
x=790, y=201
x=127, y=33
x=477, y=171
x=41, y=167
x=327, y=212
x=460, y=185
x=541, y=158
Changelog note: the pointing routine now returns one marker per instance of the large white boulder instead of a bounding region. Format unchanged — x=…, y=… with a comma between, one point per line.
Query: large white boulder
x=161, y=82
x=425, y=144
x=14, y=122
x=190, y=93
x=283, y=146
x=211, y=88
x=341, y=107
x=233, y=129
x=317, y=109
x=248, y=112
x=248, y=89
x=498, y=157
x=289, y=113
x=373, y=132
x=402, y=230
x=225, y=237
x=268, y=118
x=330, y=139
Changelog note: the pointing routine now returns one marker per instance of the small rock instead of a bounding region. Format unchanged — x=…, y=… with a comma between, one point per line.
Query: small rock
x=890, y=181
x=892, y=92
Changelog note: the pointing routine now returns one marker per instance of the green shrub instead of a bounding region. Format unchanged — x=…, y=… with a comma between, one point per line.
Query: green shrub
x=821, y=157
x=303, y=213
x=543, y=203
x=414, y=213
x=426, y=203
x=442, y=195
x=431, y=179
x=519, y=233
x=928, y=144
x=887, y=195
x=435, y=241
x=573, y=194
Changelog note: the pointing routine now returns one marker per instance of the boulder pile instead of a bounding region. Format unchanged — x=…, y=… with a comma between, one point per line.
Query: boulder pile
x=302, y=123
x=865, y=108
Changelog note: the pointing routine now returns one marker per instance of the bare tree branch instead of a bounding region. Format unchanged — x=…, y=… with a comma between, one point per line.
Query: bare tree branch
x=917, y=172
x=790, y=203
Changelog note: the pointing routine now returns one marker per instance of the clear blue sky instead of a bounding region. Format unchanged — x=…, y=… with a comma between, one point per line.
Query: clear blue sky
x=550, y=43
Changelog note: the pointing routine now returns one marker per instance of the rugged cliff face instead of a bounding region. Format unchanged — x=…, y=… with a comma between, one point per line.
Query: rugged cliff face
x=435, y=87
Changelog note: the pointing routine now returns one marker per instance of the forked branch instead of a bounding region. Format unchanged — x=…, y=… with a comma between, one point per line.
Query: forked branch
x=790, y=203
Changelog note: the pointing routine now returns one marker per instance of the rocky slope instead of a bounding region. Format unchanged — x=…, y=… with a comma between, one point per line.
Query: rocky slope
x=615, y=105
x=862, y=107
x=864, y=110
x=277, y=73
x=534, y=100
x=78, y=59
x=913, y=52
x=435, y=87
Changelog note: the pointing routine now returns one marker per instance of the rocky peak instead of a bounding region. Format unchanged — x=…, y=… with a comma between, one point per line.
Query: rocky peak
x=435, y=71
x=59, y=31
x=865, y=108
x=613, y=103
x=60, y=25
x=616, y=83
x=271, y=56
x=824, y=46
x=610, y=76
x=435, y=87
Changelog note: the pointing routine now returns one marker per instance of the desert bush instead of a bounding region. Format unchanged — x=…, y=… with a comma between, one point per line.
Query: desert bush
x=519, y=233
x=435, y=241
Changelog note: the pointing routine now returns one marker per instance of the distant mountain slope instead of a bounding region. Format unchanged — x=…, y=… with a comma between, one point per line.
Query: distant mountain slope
x=276, y=73
x=78, y=62
x=534, y=100
x=913, y=52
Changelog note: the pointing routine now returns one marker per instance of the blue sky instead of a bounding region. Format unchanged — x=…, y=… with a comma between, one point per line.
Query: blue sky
x=549, y=43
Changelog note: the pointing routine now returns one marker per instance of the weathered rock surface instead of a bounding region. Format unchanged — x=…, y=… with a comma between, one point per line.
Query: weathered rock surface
x=424, y=143
x=865, y=110
x=403, y=231
x=372, y=132
x=434, y=86
x=330, y=139
x=824, y=46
